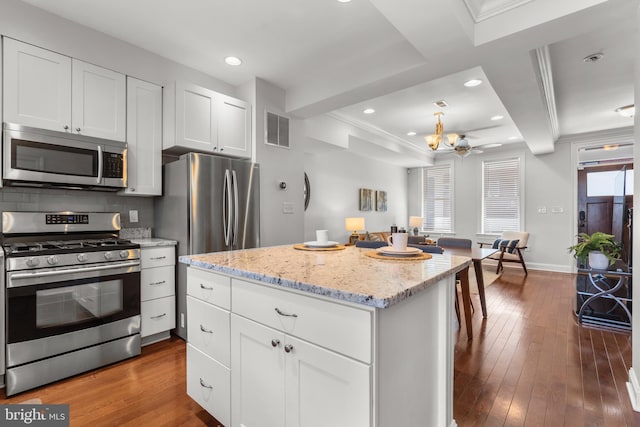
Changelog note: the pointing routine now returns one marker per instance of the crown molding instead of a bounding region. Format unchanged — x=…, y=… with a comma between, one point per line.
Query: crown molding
x=375, y=130
x=608, y=136
x=481, y=10
x=545, y=74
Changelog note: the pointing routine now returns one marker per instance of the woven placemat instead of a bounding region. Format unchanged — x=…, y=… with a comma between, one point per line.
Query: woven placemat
x=303, y=247
x=417, y=257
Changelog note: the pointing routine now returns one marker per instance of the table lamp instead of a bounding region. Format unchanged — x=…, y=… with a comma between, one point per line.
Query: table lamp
x=354, y=224
x=416, y=223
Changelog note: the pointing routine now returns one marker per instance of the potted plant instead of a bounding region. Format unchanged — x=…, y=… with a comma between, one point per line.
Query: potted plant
x=601, y=248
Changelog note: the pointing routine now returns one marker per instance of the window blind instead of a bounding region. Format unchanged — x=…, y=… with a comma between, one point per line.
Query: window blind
x=438, y=198
x=501, y=196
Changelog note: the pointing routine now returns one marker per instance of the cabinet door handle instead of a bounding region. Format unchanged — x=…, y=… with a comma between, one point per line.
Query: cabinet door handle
x=282, y=313
x=158, y=283
x=158, y=316
x=78, y=130
x=208, y=288
x=275, y=342
x=288, y=348
x=203, y=329
x=66, y=127
x=205, y=385
x=158, y=257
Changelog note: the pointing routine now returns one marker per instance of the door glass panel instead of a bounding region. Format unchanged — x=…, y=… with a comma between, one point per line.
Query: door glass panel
x=80, y=303
x=604, y=183
x=50, y=158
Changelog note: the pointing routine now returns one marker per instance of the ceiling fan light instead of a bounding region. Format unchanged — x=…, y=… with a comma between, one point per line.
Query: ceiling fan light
x=626, y=111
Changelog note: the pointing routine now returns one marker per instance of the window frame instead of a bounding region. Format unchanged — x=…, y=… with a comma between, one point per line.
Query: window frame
x=450, y=165
x=521, y=187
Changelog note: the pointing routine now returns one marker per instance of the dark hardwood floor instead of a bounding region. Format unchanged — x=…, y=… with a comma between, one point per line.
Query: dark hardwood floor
x=528, y=364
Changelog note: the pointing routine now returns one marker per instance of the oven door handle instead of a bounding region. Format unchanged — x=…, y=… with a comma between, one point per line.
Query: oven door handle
x=35, y=274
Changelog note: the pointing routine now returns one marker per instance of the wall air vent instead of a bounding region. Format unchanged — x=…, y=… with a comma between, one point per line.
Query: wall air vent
x=277, y=130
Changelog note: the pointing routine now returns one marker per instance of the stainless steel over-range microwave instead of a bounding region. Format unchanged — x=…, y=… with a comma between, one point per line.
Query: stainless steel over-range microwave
x=40, y=158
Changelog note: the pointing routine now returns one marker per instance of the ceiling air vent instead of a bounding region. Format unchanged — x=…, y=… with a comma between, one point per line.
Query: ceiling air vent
x=277, y=132
x=442, y=103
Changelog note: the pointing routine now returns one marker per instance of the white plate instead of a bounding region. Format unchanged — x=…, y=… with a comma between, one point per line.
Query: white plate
x=316, y=244
x=389, y=250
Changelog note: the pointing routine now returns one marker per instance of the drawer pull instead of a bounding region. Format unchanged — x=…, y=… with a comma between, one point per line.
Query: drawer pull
x=275, y=342
x=288, y=348
x=205, y=385
x=282, y=313
x=158, y=257
x=203, y=329
x=208, y=288
x=158, y=316
x=158, y=283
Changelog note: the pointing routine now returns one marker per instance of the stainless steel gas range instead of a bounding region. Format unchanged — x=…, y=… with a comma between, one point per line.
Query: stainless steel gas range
x=72, y=295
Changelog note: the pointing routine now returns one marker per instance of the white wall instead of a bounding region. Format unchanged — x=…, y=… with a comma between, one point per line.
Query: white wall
x=547, y=183
x=336, y=177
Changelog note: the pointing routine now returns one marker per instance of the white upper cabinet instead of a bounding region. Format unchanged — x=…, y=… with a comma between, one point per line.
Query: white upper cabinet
x=234, y=128
x=197, y=118
x=144, y=138
x=39, y=86
x=98, y=101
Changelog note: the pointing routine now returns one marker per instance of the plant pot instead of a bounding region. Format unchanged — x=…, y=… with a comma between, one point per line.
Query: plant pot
x=598, y=260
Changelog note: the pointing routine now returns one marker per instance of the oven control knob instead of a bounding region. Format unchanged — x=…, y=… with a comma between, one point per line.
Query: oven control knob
x=33, y=262
x=108, y=255
x=52, y=260
x=82, y=257
x=124, y=254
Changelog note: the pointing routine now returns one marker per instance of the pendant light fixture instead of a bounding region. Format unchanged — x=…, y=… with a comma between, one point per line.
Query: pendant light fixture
x=435, y=139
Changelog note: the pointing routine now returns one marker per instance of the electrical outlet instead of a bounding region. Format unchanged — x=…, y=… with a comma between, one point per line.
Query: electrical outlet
x=133, y=216
x=542, y=210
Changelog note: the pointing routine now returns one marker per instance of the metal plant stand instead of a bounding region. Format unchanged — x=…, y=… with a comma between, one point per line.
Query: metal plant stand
x=604, y=298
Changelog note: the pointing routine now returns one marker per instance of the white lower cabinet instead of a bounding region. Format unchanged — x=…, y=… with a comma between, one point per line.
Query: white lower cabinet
x=157, y=293
x=292, y=360
x=208, y=383
x=278, y=380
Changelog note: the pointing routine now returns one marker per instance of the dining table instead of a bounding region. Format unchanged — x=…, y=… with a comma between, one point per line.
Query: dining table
x=476, y=255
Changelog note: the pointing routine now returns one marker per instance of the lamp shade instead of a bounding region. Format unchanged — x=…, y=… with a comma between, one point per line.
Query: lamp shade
x=415, y=221
x=354, y=224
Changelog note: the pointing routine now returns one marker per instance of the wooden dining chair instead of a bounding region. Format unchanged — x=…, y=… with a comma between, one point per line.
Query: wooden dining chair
x=455, y=242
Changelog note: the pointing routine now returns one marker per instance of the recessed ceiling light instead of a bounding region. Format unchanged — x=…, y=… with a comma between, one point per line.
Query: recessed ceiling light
x=497, y=117
x=594, y=57
x=626, y=111
x=495, y=145
x=513, y=138
x=344, y=1
x=369, y=111
x=233, y=60
x=473, y=83
x=412, y=133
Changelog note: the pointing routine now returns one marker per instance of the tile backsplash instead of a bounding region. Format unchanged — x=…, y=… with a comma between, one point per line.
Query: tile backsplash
x=54, y=200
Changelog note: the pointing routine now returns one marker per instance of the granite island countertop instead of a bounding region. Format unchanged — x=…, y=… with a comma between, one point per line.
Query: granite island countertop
x=347, y=275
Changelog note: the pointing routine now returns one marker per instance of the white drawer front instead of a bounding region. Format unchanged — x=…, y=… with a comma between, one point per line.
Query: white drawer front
x=210, y=287
x=208, y=329
x=157, y=257
x=158, y=315
x=209, y=384
x=157, y=282
x=338, y=327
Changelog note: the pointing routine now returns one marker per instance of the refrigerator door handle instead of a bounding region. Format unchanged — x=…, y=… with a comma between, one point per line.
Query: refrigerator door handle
x=235, y=206
x=226, y=223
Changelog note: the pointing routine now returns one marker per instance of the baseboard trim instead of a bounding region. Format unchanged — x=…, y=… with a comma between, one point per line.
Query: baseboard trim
x=557, y=268
x=633, y=388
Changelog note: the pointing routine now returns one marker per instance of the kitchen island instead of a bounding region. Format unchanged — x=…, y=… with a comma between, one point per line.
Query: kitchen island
x=285, y=337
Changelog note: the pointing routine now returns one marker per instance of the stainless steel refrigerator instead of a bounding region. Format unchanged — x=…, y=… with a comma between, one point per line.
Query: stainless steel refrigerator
x=208, y=204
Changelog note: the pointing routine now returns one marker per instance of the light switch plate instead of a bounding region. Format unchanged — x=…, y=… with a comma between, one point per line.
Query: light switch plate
x=133, y=216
